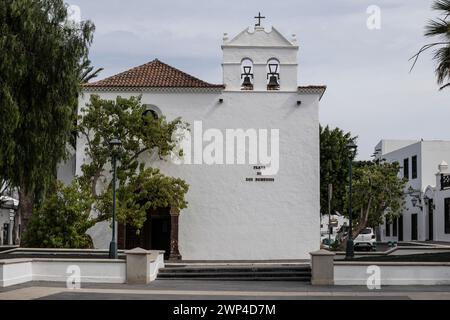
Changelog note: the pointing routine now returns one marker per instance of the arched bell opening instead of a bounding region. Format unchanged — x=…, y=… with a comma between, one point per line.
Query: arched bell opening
x=247, y=74
x=273, y=74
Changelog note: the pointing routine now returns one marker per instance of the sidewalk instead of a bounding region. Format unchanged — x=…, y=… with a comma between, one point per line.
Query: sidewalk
x=201, y=290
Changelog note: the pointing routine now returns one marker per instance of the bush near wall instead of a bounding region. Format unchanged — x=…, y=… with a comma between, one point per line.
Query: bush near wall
x=62, y=219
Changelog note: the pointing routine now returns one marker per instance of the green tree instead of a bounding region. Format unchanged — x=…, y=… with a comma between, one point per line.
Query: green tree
x=147, y=189
x=62, y=219
x=378, y=193
x=40, y=54
x=142, y=136
x=334, y=157
x=440, y=29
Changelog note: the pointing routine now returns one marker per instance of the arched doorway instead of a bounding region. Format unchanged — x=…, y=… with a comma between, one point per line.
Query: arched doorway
x=155, y=234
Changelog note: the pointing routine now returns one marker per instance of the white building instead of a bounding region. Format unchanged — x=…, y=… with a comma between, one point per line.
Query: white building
x=232, y=214
x=336, y=221
x=425, y=216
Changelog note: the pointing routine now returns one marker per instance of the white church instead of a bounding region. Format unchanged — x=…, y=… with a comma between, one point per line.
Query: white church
x=237, y=210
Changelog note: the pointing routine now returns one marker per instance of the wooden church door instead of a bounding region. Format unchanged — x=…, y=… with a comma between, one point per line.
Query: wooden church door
x=154, y=235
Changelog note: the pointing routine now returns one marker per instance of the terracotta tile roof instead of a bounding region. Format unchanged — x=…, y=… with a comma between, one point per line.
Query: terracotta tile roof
x=154, y=74
x=313, y=89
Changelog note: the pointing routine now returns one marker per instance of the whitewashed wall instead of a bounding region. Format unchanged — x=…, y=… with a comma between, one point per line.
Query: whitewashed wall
x=429, y=155
x=439, y=197
x=399, y=273
x=398, y=156
x=260, y=46
x=228, y=218
x=16, y=271
x=91, y=271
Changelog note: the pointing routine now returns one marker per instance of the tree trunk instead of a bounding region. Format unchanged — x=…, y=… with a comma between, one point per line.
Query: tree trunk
x=362, y=224
x=363, y=220
x=26, y=202
x=16, y=233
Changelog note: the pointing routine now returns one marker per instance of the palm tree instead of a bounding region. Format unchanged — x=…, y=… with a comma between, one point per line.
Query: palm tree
x=85, y=71
x=85, y=74
x=439, y=28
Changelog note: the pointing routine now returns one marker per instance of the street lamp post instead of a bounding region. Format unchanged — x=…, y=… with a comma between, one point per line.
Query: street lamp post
x=9, y=204
x=115, y=144
x=349, y=252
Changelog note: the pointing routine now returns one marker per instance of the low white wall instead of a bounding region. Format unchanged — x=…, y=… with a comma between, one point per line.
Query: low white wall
x=155, y=265
x=16, y=271
x=92, y=270
x=398, y=273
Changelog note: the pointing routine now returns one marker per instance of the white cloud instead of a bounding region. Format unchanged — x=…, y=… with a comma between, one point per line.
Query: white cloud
x=370, y=89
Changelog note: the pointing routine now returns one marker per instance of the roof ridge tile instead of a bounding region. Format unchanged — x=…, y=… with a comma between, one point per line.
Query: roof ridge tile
x=153, y=74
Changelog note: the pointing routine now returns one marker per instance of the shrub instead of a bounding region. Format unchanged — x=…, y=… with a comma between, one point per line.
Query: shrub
x=62, y=219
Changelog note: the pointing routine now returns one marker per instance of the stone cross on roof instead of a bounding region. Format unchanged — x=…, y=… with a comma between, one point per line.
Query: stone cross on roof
x=259, y=17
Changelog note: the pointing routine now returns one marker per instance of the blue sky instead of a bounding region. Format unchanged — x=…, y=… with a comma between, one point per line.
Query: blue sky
x=370, y=90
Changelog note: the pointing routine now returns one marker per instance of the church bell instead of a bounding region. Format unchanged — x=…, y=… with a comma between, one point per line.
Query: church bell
x=273, y=77
x=247, y=83
x=273, y=82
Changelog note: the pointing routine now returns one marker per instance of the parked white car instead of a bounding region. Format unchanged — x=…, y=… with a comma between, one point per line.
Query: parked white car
x=365, y=240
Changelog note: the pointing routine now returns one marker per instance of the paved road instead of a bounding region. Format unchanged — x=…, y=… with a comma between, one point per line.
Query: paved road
x=220, y=290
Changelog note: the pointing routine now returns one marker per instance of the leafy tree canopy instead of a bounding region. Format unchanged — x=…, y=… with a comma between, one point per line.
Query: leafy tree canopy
x=147, y=189
x=334, y=161
x=378, y=193
x=142, y=136
x=63, y=218
x=40, y=53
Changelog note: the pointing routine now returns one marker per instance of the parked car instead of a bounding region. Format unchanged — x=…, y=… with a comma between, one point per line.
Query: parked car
x=365, y=240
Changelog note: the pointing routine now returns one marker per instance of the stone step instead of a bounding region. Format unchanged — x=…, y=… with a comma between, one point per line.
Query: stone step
x=237, y=271
x=249, y=269
x=221, y=278
x=233, y=274
x=272, y=272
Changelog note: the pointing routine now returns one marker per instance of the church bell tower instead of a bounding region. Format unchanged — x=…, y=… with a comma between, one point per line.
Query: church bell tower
x=260, y=60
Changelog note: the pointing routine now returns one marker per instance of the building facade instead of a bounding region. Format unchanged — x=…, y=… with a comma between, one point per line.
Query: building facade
x=425, y=215
x=241, y=210
x=8, y=220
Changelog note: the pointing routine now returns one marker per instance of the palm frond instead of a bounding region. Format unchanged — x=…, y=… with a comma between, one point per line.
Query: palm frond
x=90, y=76
x=439, y=28
x=424, y=48
x=442, y=56
x=441, y=5
x=445, y=86
x=85, y=73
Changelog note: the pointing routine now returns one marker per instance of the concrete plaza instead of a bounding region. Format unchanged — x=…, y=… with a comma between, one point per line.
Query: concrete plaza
x=219, y=290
